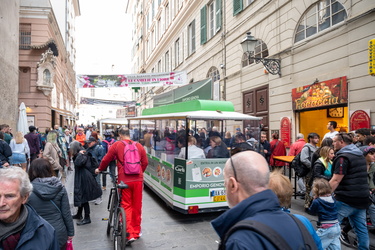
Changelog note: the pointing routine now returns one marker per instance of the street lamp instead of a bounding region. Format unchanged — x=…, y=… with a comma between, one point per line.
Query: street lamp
x=248, y=45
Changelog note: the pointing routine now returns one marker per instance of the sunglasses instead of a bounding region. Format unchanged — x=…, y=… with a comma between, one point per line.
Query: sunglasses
x=234, y=169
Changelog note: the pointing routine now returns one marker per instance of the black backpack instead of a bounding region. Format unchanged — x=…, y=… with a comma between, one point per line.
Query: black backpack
x=300, y=169
x=271, y=235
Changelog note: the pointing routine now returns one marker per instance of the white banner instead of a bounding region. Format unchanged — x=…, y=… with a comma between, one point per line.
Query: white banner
x=178, y=78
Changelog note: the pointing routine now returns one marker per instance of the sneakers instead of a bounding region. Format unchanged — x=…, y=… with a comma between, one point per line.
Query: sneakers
x=345, y=239
x=130, y=241
x=98, y=201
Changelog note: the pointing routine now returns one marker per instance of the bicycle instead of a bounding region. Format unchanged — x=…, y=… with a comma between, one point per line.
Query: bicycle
x=117, y=216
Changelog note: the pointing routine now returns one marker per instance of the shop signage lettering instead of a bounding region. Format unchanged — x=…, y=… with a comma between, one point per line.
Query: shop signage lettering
x=321, y=94
x=206, y=185
x=317, y=103
x=359, y=119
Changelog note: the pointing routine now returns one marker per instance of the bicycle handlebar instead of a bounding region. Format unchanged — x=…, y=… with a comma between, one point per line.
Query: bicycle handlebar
x=121, y=185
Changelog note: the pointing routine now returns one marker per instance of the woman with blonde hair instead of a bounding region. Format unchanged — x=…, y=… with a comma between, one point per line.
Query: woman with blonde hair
x=52, y=152
x=218, y=148
x=323, y=166
x=20, y=150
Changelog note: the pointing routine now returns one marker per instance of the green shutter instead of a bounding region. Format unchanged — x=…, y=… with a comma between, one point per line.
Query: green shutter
x=204, y=25
x=237, y=6
x=218, y=14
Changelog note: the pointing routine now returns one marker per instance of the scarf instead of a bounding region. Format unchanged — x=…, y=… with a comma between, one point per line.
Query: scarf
x=9, y=229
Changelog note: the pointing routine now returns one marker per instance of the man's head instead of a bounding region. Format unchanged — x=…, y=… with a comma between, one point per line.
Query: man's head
x=313, y=138
x=275, y=136
x=362, y=134
x=263, y=136
x=56, y=127
x=239, y=138
x=32, y=129
x=245, y=174
x=67, y=131
x=124, y=133
x=282, y=187
x=369, y=154
x=15, y=188
x=300, y=136
x=332, y=125
x=341, y=140
x=91, y=141
x=370, y=141
x=80, y=130
x=5, y=128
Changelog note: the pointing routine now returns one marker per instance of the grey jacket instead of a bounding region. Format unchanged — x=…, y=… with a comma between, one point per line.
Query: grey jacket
x=306, y=154
x=50, y=200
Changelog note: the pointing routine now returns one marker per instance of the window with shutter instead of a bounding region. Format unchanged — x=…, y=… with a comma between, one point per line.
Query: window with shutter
x=237, y=6
x=204, y=25
x=218, y=14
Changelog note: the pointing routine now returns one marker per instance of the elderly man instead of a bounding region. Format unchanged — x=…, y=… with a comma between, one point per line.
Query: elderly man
x=20, y=226
x=246, y=177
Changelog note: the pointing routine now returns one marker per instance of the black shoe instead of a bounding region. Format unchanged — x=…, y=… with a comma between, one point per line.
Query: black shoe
x=302, y=197
x=84, y=222
x=77, y=217
x=345, y=239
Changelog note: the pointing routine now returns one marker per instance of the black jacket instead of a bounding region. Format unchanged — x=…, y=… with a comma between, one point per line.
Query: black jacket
x=50, y=200
x=353, y=188
x=86, y=188
x=5, y=152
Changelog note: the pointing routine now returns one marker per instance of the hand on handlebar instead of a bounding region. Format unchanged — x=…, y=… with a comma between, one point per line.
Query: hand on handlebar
x=97, y=171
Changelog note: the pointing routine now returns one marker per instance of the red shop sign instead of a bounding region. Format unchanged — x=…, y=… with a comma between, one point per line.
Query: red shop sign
x=285, y=131
x=359, y=119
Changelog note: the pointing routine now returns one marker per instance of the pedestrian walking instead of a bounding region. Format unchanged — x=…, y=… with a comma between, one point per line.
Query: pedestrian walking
x=350, y=186
x=52, y=152
x=132, y=196
x=50, y=200
x=34, y=144
x=277, y=149
x=86, y=187
x=20, y=150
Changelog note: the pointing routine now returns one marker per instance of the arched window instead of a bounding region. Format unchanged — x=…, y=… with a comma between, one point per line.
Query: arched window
x=213, y=73
x=318, y=17
x=261, y=51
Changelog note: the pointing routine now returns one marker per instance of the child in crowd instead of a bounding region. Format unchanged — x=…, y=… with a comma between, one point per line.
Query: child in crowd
x=325, y=207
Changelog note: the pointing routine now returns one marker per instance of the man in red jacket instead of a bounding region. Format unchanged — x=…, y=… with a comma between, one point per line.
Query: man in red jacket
x=131, y=199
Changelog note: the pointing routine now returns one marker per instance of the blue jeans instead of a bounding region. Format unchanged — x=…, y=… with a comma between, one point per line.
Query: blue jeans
x=330, y=237
x=371, y=212
x=357, y=218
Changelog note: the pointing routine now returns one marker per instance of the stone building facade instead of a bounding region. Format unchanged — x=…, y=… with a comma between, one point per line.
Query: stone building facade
x=317, y=43
x=46, y=63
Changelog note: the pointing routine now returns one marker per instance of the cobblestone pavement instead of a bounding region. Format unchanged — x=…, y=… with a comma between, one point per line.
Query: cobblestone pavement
x=162, y=228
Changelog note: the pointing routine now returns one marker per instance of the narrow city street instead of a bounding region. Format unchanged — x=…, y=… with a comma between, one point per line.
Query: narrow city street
x=162, y=227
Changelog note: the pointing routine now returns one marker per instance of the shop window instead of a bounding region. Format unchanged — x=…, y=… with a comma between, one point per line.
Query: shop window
x=214, y=74
x=320, y=16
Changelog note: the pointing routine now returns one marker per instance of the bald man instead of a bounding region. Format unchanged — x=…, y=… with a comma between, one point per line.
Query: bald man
x=246, y=178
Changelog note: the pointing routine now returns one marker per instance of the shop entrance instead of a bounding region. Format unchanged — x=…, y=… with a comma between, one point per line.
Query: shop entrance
x=317, y=120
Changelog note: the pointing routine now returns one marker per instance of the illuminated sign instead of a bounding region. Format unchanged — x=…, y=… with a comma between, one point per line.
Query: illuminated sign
x=321, y=94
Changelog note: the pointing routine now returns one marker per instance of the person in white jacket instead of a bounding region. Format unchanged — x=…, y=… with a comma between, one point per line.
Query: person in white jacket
x=20, y=150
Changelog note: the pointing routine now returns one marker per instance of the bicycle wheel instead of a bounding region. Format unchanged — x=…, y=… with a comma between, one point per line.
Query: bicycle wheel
x=112, y=205
x=119, y=231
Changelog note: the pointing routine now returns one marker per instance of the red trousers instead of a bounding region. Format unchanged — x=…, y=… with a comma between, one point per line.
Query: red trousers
x=131, y=201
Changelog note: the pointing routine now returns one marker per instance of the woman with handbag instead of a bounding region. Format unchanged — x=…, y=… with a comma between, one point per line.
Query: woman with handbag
x=20, y=150
x=50, y=200
x=52, y=152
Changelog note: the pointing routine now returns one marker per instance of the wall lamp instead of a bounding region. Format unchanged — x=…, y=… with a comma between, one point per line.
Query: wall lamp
x=272, y=65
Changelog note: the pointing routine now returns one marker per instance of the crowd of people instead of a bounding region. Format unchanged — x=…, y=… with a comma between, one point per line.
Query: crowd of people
x=336, y=189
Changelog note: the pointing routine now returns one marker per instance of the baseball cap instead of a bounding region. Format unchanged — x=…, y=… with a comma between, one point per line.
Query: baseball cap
x=238, y=129
x=91, y=139
x=368, y=150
